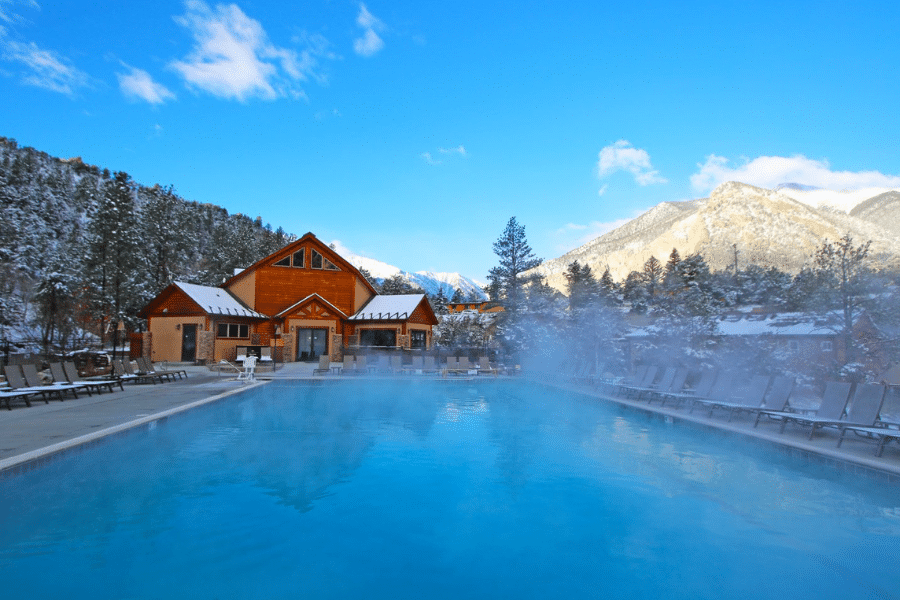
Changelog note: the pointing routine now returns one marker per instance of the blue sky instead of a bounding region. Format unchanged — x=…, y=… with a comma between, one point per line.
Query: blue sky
x=412, y=131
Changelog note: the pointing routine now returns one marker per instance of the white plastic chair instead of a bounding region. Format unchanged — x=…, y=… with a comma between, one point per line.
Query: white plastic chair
x=249, y=372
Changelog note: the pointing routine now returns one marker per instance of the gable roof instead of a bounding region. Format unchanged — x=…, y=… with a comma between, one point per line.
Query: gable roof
x=389, y=308
x=295, y=305
x=216, y=301
x=333, y=256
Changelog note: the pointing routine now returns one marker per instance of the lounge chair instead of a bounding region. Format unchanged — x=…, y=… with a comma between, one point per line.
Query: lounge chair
x=33, y=380
x=417, y=365
x=863, y=409
x=635, y=377
x=676, y=386
x=720, y=391
x=73, y=377
x=484, y=366
x=59, y=378
x=324, y=365
x=265, y=354
x=464, y=366
x=124, y=374
x=429, y=365
x=362, y=364
x=396, y=363
x=751, y=398
x=646, y=383
x=17, y=383
x=383, y=364
x=348, y=365
x=663, y=384
x=831, y=409
x=146, y=366
x=451, y=366
x=9, y=397
x=882, y=435
x=701, y=390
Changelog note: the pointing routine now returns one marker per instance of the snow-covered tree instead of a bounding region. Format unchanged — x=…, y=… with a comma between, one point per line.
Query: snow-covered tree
x=516, y=257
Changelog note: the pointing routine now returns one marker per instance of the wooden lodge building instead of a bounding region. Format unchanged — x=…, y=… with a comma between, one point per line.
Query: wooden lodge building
x=303, y=301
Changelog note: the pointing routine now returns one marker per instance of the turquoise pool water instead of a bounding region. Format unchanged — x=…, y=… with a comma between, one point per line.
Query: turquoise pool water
x=377, y=489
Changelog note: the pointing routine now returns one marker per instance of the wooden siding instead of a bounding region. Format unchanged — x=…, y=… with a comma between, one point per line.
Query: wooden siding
x=176, y=302
x=360, y=297
x=277, y=288
x=245, y=289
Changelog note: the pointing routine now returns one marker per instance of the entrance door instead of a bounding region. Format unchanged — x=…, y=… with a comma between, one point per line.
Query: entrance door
x=311, y=344
x=188, y=342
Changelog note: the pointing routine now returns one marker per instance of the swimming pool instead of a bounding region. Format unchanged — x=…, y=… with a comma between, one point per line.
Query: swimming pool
x=479, y=489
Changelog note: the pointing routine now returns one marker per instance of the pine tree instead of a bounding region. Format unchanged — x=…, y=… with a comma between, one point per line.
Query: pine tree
x=516, y=257
x=582, y=287
x=652, y=276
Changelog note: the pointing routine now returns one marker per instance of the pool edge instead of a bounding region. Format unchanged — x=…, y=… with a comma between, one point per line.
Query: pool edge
x=41, y=455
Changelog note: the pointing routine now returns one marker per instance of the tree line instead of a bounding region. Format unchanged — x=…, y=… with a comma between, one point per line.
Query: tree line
x=82, y=248
x=684, y=300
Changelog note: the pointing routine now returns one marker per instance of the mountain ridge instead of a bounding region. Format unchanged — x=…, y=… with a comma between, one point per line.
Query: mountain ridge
x=768, y=227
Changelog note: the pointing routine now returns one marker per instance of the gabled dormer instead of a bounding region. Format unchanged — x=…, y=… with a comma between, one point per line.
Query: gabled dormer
x=304, y=267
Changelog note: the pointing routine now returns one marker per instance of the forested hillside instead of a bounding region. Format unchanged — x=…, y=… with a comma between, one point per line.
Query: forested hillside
x=81, y=247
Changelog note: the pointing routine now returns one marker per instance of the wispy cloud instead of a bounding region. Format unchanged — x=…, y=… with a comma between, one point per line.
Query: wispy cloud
x=233, y=57
x=370, y=43
x=427, y=157
x=449, y=153
x=460, y=150
x=45, y=68
x=770, y=171
x=622, y=156
x=138, y=84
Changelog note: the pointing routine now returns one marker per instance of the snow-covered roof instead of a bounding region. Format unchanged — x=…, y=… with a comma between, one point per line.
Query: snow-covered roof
x=389, y=308
x=217, y=301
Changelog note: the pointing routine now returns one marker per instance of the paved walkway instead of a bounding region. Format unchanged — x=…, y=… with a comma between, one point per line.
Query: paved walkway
x=27, y=434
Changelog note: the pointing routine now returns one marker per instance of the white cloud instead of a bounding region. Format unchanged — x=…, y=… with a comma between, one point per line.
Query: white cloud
x=139, y=85
x=622, y=156
x=11, y=18
x=770, y=171
x=426, y=156
x=232, y=56
x=458, y=150
x=46, y=69
x=602, y=190
x=370, y=43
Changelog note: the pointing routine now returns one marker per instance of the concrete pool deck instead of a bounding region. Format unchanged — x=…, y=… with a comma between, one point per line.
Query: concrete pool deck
x=32, y=434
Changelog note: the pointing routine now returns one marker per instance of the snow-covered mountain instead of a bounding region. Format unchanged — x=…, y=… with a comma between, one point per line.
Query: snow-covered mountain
x=781, y=228
x=429, y=281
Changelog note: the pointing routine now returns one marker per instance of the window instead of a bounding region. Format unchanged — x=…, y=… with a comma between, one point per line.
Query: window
x=378, y=337
x=827, y=346
x=416, y=338
x=296, y=260
x=233, y=330
x=320, y=262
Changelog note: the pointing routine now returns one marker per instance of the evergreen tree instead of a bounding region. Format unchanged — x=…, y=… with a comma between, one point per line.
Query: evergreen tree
x=396, y=284
x=439, y=302
x=582, y=287
x=516, y=257
x=652, y=275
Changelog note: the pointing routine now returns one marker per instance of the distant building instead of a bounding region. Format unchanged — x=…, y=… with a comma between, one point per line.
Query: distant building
x=303, y=301
x=480, y=307
x=802, y=340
